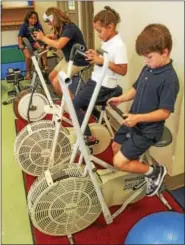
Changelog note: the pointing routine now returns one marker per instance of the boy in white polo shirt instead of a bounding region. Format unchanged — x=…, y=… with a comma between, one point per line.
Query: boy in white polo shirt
x=104, y=23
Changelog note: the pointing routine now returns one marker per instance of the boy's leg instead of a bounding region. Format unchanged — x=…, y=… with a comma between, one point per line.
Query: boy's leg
x=115, y=147
x=130, y=166
x=127, y=159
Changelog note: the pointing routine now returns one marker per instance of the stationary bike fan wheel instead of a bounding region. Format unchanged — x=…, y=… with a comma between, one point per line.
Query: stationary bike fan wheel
x=101, y=134
x=21, y=103
x=33, y=146
x=67, y=205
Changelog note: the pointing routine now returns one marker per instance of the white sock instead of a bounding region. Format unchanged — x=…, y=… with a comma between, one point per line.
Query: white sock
x=150, y=171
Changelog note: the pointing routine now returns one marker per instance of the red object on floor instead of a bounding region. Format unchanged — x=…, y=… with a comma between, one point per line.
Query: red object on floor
x=99, y=232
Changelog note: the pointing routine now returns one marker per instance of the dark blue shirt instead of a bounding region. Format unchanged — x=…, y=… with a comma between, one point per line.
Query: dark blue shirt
x=156, y=88
x=72, y=32
x=24, y=31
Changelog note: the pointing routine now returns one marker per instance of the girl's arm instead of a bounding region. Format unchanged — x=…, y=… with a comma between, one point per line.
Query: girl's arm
x=51, y=36
x=20, y=42
x=120, y=69
x=95, y=58
x=58, y=44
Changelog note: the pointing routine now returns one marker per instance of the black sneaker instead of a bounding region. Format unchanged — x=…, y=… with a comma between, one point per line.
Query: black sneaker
x=154, y=181
x=90, y=141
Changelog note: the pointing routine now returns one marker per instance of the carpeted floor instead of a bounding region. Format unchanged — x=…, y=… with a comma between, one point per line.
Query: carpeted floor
x=15, y=220
x=99, y=232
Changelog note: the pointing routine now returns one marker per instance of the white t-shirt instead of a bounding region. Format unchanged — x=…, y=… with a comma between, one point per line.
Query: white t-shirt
x=117, y=53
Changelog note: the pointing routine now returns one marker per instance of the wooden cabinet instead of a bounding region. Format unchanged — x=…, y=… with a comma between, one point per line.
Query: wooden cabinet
x=13, y=17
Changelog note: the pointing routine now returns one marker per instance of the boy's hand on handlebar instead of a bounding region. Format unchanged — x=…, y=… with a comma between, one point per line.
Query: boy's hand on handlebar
x=131, y=120
x=39, y=35
x=114, y=101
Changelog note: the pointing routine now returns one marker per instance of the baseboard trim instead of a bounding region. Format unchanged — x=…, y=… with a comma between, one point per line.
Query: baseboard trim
x=174, y=182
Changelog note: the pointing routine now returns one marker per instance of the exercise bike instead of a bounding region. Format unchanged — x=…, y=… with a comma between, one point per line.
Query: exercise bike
x=35, y=103
x=14, y=76
x=43, y=144
x=65, y=200
x=29, y=103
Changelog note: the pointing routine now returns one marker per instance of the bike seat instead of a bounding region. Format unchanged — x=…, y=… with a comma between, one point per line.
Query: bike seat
x=14, y=77
x=82, y=71
x=114, y=93
x=166, y=138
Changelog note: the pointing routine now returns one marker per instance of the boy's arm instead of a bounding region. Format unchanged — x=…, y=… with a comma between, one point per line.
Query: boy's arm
x=130, y=95
x=123, y=98
x=154, y=116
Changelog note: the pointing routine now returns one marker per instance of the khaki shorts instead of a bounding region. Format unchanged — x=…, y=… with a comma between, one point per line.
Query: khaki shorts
x=63, y=66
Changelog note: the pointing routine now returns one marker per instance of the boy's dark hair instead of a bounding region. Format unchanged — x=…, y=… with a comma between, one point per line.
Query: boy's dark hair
x=154, y=38
x=29, y=14
x=107, y=16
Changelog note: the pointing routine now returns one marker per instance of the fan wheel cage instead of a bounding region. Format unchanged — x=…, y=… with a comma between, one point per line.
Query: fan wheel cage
x=33, y=148
x=44, y=124
x=22, y=100
x=39, y=113
x=66, y=207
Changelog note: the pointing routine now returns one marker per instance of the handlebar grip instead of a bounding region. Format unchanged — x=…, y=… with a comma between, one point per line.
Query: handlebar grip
x=81, y=53
x=116, y=109
x=120, y=113
x=74, y=49
x=101, y=51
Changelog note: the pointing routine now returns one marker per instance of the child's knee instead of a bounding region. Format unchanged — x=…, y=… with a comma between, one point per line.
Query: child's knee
x=120, y=160
x=28, y=57
x=115, y=147
x=52, y=75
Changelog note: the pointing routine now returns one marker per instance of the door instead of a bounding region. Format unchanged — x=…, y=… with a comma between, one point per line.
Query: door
x=71, y=8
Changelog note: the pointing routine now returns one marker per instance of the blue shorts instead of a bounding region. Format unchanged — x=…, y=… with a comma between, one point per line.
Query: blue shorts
x=133, y=144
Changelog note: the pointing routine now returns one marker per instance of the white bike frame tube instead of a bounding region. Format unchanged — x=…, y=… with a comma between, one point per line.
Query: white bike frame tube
x=42, y=80
x=103, y=164
x=58, y=117
x=58, y=121
x=69, y=70
x=91, y=104
x=80, y=138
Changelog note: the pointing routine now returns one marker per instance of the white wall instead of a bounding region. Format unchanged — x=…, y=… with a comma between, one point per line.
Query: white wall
x=41, y=7
x=10, y=37
x=134, y=17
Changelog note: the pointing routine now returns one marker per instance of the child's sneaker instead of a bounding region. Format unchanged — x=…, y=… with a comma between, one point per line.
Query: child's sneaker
x=154, y=181
x=90, y=140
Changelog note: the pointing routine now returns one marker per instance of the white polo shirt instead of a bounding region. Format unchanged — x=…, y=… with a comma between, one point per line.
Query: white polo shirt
x=117, y=53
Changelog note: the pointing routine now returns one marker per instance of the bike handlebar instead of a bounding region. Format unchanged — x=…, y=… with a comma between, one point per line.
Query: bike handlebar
x=76, y=47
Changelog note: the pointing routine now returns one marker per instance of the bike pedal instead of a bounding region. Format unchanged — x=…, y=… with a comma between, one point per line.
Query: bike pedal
x=162, y=189
x=136, y=187
x=12, y=93
x=91, y=143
